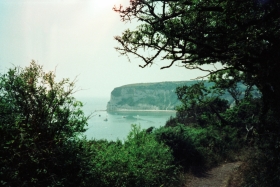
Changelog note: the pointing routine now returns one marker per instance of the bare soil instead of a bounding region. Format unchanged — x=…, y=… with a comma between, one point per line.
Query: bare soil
x=221, y=176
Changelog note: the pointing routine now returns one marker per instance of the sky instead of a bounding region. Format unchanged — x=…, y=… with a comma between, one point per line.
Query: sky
x=75, y=38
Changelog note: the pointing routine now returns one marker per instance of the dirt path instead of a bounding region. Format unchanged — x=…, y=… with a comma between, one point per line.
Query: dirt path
x=217, y=177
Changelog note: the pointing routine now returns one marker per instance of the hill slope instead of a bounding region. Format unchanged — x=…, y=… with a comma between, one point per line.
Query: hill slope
x=151, y=96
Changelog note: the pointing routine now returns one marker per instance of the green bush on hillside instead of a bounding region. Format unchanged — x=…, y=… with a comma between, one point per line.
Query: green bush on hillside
x=41, y=126
x=196, y=147
x=263, y=165
x=204, y=131
x=40, y=123
x=139, y=161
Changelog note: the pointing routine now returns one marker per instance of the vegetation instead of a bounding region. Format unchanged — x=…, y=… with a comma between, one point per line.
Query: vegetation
x=41, y=126
x=241, y=40
x=206, y=130
x=41, y=123
x=139, y=161
x=241, y=35
x=161, y=95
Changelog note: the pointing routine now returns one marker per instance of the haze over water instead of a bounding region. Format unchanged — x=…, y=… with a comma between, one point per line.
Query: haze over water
x=116, y=125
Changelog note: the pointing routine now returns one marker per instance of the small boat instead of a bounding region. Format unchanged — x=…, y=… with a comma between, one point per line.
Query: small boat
x=105, y=119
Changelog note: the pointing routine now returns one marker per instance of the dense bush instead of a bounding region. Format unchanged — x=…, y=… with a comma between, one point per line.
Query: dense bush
x=262, y=168
x=206, y=130
x=216, y=131
x=139, y=161
x=264, y=161
x=41, y=128
x=200, y=105
x=199, y=147
x=40, y=123
x=181, y=142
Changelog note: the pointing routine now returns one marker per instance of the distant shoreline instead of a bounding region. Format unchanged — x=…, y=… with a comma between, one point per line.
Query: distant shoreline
x=140, y=110
x=135, y=110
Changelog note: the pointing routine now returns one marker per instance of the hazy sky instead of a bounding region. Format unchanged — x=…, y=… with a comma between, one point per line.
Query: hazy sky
x=75, y=38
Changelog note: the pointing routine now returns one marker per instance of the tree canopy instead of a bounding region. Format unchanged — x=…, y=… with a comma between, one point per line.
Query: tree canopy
x=41, y=125
x=242, y=36
x=42, y=141
x=240, y=39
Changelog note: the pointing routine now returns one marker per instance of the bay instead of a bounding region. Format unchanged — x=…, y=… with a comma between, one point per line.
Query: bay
x=116, y=125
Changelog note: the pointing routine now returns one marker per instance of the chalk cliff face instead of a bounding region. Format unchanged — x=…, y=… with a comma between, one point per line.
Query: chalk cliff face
x=146, y=96
x=155, y=96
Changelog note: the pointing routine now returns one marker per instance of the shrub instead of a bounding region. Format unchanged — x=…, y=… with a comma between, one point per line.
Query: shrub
x=199, y=147
x=40, y=123
x=264, y=161
x=139, y=161
x=263, y=168
x=182, y=145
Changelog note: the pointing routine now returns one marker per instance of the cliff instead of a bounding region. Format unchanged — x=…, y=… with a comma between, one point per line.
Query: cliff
x=151, y=96
x=146, y=96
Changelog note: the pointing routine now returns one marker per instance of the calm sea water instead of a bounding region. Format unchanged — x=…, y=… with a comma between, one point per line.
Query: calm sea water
x=116, y=125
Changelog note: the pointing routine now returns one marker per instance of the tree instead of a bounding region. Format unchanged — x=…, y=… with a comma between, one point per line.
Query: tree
x=200, y=105
x=242, y=36
x=40, y=130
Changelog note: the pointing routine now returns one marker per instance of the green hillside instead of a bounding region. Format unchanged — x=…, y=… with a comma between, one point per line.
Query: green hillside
x=153, y=96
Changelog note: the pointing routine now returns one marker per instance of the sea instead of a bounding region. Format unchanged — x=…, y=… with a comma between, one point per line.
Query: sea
x=116, y=125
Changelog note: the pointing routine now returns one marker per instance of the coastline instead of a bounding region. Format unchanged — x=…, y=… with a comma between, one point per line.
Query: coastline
x=139, y=110
x=135, y=111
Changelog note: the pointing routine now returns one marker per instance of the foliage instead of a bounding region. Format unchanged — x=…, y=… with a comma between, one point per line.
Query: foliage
x=139, y=161
x=40, y=128
x=181, y=142
x=244, y=115
x=197, y=148
x=206, y=130
x=200, y=105
x=147, y=95
x=242, y=36
x=227, y=131
x=263, y=164
x=262, y=168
